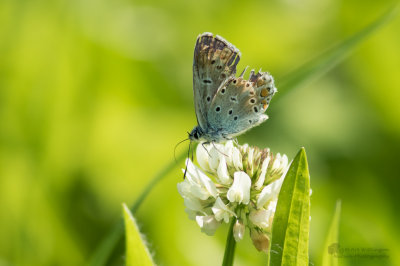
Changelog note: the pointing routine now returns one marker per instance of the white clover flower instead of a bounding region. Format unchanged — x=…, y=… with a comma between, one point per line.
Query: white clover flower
x=261, y=218
x=234, y=182
x=221, y=211
x=240, y=190
x=208, y=224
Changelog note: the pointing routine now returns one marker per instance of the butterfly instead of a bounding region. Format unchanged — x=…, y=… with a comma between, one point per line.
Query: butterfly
x=226, y=106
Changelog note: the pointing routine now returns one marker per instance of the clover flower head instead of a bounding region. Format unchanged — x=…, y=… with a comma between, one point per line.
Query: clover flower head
x=234, y=182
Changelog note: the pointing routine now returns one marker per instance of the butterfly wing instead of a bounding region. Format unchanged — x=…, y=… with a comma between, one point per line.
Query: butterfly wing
x=240, y=104
x=214, y=62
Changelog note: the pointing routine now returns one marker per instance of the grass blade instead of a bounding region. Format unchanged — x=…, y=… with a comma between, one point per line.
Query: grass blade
x=290, y=229
x=136, y=250
x=332, y=239
x=331, y=57
x=103, y=252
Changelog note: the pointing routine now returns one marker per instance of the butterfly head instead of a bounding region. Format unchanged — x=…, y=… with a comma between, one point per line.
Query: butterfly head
x=196, y=134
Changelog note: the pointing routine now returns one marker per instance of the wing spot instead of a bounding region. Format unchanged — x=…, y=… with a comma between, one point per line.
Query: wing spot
x=217, y=109
x=252, y=100
x=263, y=93
x=234, y=81
x=247, y=84
x=208, y=98
x=255, y=109
x=223, y=90
x=223, y=76
x=219, y=67
x=212, y=62
x=207, y=81
x=235, y=118
x=233, y=99
x=250, y=121
x=230, y=112
x=251, y=92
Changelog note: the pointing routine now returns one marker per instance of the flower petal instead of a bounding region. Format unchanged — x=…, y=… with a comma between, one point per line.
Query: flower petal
x=261, y=218
x=202, y=156
x=237, y=159
x=260, y=181
x=260, y=240
x=221, y=211
x=238, y=230
x=201, y=186
x=208, y=224
x=222, y=172
x=240, y=189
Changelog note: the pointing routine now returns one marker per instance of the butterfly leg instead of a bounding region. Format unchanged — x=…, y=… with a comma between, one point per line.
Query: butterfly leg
x=204, y=143
x=213, y=143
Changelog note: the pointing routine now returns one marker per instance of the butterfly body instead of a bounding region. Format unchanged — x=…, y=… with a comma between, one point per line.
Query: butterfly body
x=226, y=106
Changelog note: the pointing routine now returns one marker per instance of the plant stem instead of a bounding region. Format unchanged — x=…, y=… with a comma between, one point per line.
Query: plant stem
x=102, y=253
x=230, y=246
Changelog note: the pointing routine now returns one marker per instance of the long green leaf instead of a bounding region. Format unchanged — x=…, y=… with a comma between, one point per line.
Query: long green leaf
x=290, y=229
x=106, y=247
x=332, y=239
x=331, y=57
x=136, y=250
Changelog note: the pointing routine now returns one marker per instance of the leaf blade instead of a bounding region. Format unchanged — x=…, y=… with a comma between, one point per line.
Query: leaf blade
x=328, y=258
x=136, y=250
x=328, y=59
x=290, y=229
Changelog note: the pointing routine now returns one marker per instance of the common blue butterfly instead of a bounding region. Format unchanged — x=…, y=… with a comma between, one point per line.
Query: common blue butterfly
x=226, y=106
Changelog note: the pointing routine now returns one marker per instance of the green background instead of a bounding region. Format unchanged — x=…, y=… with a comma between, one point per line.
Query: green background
x=94, y=95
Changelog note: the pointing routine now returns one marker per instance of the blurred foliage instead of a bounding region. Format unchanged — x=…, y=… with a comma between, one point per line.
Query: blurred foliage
x=95, y=94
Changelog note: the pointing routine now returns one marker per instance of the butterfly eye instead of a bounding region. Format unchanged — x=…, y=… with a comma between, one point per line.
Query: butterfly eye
x=195, y=135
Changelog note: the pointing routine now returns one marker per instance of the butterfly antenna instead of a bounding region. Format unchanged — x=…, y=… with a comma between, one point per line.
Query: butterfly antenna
x=184, y=174
x=177, y=146
x=244, y=71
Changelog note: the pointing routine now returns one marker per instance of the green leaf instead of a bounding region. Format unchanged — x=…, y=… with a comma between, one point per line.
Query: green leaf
x=331, y=57
x=136, y=250
x=290, y=229
x=104, y=250
x=328, y=259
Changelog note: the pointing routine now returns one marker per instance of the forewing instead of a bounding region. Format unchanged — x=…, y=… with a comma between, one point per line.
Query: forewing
x=240, y=104
x=214, y=62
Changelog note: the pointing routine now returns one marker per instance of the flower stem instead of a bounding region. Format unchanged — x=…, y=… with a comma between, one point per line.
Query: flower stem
x=230, y=246
x=104, y=250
